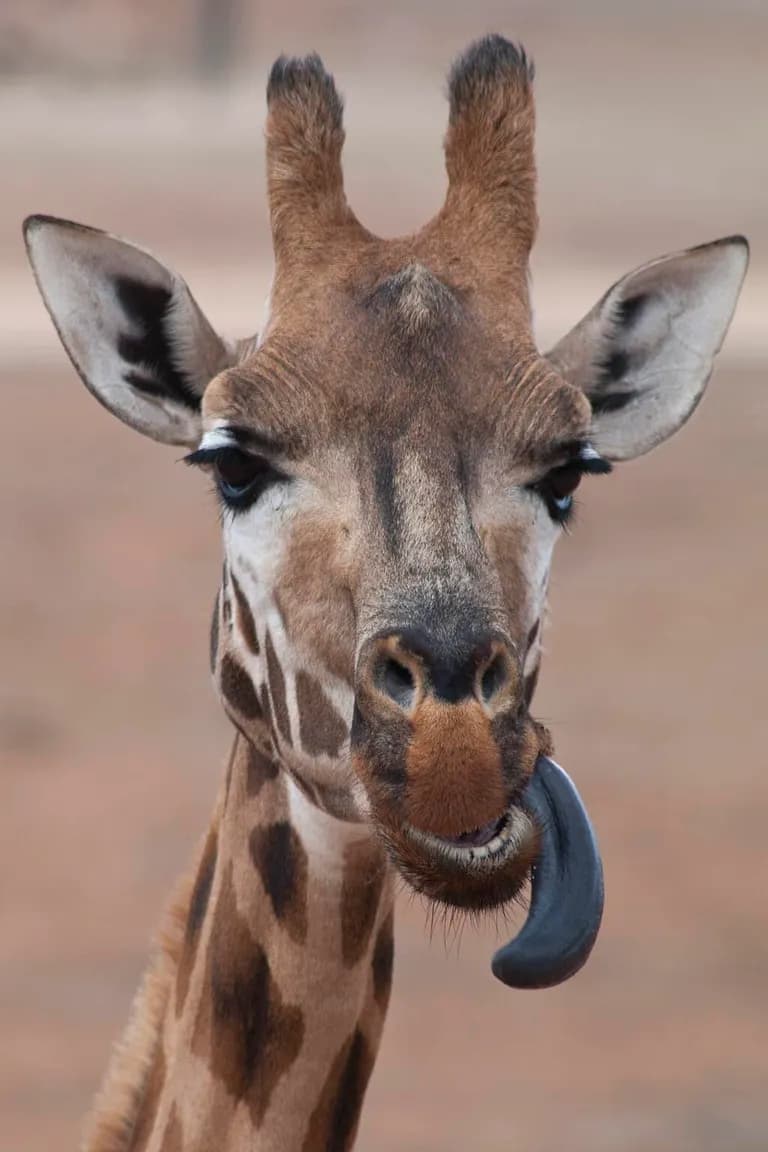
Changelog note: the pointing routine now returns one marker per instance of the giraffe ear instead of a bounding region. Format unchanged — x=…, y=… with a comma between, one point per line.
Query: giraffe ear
x=130, y=326
x=644, y=354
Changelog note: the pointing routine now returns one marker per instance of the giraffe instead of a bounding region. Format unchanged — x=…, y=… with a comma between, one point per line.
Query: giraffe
x=394, y=459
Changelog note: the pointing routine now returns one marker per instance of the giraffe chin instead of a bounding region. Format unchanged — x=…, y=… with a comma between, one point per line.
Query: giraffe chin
x=472, y=876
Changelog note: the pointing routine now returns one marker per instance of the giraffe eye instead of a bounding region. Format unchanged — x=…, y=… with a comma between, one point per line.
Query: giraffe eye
x=557, y=489
x=241, y=477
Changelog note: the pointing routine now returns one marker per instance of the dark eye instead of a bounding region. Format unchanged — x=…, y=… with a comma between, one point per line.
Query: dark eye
x=557, y=489
x=240, y=476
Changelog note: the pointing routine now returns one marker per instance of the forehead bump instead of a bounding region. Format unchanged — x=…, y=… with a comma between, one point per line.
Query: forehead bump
x=414, y=297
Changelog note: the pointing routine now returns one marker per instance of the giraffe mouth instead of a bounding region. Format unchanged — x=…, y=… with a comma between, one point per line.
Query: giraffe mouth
x=485, y=847
x=480, y=869
x=545, y=835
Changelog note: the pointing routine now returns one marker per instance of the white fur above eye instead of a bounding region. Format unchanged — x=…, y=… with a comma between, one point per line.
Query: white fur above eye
x=218, y=437
x=644, y=354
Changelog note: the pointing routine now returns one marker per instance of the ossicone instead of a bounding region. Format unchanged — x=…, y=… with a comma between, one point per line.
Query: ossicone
x=489, y=147
x=305, y=135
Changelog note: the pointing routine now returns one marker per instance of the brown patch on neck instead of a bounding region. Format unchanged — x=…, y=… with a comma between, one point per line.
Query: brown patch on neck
x=245, y=1031
x=281, y=860
x=362, y=886
x=198, y=907
x=334, y=1120
x=237, y=689
x=383, y=961
x=321, y=728
x=260, y=769
x=455, y=780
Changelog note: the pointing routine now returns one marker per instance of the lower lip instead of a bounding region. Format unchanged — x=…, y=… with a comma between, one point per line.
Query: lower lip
x=510, y=838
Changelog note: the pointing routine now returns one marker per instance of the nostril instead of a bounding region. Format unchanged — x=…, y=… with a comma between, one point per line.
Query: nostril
x=397, y=681
x=494, y=677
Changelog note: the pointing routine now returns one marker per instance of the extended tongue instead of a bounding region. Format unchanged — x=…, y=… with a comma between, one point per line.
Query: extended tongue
x=566, y=890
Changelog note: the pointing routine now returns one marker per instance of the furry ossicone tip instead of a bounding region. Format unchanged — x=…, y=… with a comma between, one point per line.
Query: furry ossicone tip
x=487, y=65
x=304, y=81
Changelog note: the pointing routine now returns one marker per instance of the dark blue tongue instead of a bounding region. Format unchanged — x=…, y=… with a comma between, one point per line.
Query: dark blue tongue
x=566, y=887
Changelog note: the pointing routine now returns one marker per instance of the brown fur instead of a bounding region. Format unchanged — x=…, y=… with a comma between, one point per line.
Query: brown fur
x=364, y=874
x=198, y=907
x=321, y=729
x=244, y=1029
x=455, y=780
x=316, y=552
x=261, y=767
x=237, y=689
x=304, y=139
x=383, y=962
x=238, y=1021
x=489, y=152
x=281, y=860
x=333, y=1123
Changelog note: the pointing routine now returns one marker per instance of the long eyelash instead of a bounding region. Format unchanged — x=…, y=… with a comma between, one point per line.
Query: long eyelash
x=206, y=455
x=592, y=465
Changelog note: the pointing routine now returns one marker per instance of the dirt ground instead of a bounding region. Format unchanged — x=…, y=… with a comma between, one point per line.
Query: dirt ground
x=652, y=136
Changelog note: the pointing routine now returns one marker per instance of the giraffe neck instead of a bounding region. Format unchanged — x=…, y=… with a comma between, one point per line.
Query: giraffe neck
x=259, y=1027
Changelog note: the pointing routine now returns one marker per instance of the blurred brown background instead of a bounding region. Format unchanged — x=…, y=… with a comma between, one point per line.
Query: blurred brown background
x=145, y=117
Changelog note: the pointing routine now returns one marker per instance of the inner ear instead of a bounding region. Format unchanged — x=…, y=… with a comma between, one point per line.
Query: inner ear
x=131, y=327
x=151, y=345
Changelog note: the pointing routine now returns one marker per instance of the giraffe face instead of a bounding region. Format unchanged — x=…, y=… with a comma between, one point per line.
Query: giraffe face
x=395, y=459
x=391, y=496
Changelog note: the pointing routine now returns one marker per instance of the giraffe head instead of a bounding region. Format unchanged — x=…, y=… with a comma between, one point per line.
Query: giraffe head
x=395, y=460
